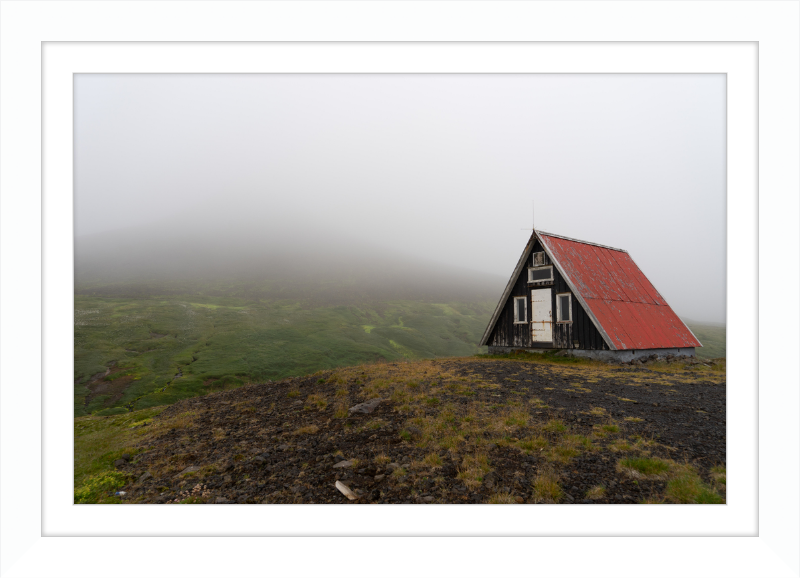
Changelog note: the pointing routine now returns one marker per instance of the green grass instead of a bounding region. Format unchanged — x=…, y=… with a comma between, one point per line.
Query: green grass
x=165, y=348
x=711, y=336
x=688, y=488
x=98, y=442
x=645, y=466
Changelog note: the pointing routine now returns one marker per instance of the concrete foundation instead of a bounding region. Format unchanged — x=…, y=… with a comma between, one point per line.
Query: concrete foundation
x=621, y=356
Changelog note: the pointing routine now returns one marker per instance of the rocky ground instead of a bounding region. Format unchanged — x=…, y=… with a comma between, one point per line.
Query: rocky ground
x=465, y=430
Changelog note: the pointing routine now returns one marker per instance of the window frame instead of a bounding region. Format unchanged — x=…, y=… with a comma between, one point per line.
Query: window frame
x=558, y=307
x=543, y=259
x=550, y=280
x=524, y=301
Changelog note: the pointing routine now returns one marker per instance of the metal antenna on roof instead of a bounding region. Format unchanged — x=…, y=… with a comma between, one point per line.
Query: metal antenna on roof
x=533, y=214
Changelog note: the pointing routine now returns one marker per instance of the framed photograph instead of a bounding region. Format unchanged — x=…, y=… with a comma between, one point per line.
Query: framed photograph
x=49, y=48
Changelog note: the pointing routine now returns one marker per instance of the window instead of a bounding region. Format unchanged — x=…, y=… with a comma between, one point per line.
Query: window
x=564, y=307
x=538, y=274
x=520, y=310
x=539, y=259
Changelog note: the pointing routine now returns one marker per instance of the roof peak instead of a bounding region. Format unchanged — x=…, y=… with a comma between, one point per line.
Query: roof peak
x=578, y=241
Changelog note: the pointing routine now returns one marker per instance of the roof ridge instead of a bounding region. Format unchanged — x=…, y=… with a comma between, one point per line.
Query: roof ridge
x=579, y=241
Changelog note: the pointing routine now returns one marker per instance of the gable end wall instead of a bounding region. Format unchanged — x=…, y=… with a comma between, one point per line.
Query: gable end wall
x=508, y=334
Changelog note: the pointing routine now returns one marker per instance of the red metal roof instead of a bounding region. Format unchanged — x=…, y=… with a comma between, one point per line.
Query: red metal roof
x=615, y=292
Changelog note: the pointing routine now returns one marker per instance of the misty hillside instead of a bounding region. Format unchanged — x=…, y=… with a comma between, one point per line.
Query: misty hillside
x=270, y=263
x=171, y=311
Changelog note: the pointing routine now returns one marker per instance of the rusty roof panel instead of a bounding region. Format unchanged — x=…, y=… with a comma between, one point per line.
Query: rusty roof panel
x=620, y=299
x=633, y=273
x=632, y=289
x=606, y=318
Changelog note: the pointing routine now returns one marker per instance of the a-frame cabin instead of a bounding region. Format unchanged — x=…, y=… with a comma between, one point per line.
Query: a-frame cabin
x=585, y=297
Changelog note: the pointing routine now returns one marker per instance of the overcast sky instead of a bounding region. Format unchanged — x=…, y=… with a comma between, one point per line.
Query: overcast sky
x=443, y=167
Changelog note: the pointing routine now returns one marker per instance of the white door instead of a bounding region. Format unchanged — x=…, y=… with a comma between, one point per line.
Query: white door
x=542, y=315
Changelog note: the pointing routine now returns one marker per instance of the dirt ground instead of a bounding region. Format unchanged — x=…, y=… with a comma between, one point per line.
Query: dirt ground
x=462, y=430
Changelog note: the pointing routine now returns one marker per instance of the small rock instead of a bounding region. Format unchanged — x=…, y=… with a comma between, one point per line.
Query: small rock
x=569, y=498
x=427, y=498
x=519, y=500
x=228, y=479
x=283, y=447
x=221, y=500
x=126, y=457
x=414, y=431
x=298, y=489
x=379, y=477
x=189, y=470
x=366, y=407
x=145, y=476
x=343, y=464
x=345, y=490
x=118, y=463
x=393, y=466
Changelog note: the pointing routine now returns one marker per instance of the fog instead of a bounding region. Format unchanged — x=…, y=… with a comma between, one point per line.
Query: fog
x=402, y=180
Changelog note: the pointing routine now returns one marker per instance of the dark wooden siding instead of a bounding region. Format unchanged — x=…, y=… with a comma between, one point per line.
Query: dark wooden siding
x=509, y=334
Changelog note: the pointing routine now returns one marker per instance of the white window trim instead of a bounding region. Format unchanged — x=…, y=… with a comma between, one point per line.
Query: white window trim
x=558, y=307
x=530, y=280
x=517, y=301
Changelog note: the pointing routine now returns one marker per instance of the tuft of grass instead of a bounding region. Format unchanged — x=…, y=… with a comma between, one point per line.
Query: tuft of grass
x=554, y=426
x=546, y=489
x=309, y=429
x=610, y=428
x=688, y=488
x=641, y=467
x=634, y=419
x=316, y=400
x=293, y=393
x=450, y=442
x=518, y=418
x=533, y=444
x=596, y=492
x=341, y=392
x=598, y=411
x=382, y=459
x=432, y=460
x=341, y=411
x=620, y=445
x=579, y=441
x=502, y=498
x=563, y=453
x=473, y=469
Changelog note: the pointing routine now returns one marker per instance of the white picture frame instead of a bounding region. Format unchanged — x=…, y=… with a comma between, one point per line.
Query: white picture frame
x=44, y=43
